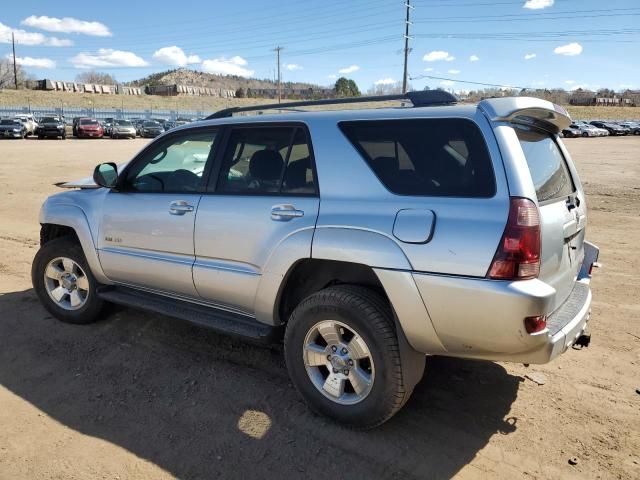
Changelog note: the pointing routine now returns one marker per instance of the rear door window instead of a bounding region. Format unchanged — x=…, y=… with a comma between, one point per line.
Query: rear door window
x=427, y=157
x=547, y=165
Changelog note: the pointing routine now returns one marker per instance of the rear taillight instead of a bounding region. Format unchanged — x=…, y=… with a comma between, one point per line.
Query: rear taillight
x=518, y=254
x=535, y=324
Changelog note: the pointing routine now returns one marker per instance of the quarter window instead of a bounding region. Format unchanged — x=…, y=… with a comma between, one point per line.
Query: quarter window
x=428, y=157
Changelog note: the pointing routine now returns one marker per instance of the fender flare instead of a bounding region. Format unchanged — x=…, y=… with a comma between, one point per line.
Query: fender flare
x=74, y=217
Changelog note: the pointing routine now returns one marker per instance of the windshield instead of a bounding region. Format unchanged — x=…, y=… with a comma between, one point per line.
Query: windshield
x=88, y=122
x=9, y=122
x=49, y=119
x=123, y=123
x=150, y=124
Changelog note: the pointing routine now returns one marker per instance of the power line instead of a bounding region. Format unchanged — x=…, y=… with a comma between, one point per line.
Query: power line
x=419, y=77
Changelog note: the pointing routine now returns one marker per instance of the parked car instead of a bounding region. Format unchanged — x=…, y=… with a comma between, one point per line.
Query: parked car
x=572, y=131
x=138, y=124
x=51, y=127
x=12, y=128
x=634, y=127
x=89, y=128
x=588, y=130
x=361, y=239
x=612, y=128
x=29, y=122
x=107, y=124
x=123, y=129
x=150, y=129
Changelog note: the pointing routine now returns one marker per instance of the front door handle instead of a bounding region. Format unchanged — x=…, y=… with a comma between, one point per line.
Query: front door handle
x=285, y=212
x=180, y=207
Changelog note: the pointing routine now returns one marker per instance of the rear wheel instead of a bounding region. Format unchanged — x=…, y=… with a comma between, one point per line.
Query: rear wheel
x=64, y=283
x=585, y=134
x=343, y=356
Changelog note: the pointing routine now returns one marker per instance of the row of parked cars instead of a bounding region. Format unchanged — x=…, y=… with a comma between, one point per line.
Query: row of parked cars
x=22, y=126
x=600, y=128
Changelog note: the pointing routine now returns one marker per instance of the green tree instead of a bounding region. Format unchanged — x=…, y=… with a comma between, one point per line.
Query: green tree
x=345, y=87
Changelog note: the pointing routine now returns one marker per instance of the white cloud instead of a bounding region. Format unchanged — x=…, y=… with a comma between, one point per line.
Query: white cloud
x=385, y=81
x=569, y=82
x=31, y=38
x=537, y=4
x=529, y=56
x=349, y=69
x=227, y=66
x=583, y=86
x=107, y=57
x=538, y=83
x=453, y=72
x=175, y=56
x=437, y=55
x=570, y=49
x=474, y=58
x=293, y=66
x=447, y=83
x=625, y=86
x=67, y=25
x=428, y=69
x=33, y=62
x=333, y=76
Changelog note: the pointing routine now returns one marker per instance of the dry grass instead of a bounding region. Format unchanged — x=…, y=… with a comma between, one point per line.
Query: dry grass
x=38, y=98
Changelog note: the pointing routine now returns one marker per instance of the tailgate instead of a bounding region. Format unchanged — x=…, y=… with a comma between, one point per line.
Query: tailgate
x=562, y=210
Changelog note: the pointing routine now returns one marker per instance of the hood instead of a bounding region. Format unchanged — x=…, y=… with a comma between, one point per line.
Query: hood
x=86, y=182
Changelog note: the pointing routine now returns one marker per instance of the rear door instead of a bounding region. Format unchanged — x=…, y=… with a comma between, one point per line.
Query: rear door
x=263, y=191
x=562, y=209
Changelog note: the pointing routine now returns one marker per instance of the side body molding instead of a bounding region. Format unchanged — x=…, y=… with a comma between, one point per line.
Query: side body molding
x=74, y=217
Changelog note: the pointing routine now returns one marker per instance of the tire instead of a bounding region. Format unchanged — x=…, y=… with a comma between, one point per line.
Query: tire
x=358, y=311
x=92, y=307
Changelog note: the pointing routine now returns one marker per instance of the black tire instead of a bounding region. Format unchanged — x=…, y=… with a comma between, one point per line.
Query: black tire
x=66, y=247
x=40, y=137
x=371, y=317
x=585, y=134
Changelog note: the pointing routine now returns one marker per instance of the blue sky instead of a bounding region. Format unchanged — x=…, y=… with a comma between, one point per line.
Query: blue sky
x=524, y=43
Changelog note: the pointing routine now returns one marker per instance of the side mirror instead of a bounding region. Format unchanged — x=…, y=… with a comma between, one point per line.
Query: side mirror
x=106, y=175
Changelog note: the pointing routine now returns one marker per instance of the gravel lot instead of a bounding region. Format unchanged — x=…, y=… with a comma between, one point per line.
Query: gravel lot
x=141, y=396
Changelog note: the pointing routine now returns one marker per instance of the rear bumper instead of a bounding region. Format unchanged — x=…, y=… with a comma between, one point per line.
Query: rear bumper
x=484, y=319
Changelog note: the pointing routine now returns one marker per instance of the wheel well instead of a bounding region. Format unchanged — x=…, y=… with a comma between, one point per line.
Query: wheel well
x=310, y=275
x=50, y=231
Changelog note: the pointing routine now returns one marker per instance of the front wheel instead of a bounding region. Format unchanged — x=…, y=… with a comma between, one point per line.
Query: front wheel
x=343, y=356
x=64, y=283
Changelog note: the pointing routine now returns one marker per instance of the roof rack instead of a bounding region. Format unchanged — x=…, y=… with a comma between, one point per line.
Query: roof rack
x=418, y=99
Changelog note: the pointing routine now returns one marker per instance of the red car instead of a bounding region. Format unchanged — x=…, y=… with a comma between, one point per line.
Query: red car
x=89, y=128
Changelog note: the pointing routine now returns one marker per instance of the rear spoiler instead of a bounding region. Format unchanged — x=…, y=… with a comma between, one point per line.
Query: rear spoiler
x=527, y=111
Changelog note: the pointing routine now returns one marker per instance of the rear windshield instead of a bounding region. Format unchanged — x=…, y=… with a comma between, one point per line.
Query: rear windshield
x=547, y=165
x=88, y=122
x=426, y=157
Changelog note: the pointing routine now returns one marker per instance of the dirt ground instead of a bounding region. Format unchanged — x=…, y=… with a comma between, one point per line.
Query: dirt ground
x=138, y=396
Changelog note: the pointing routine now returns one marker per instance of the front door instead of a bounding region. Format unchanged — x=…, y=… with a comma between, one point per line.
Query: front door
x=147, y=225
x=265, y=193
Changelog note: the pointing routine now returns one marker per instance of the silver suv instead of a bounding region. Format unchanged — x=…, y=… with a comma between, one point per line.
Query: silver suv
x=362, y=239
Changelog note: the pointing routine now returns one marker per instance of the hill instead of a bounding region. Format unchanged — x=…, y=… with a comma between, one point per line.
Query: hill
x=185, y=76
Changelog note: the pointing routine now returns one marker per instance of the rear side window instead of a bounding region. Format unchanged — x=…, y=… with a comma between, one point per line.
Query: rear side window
x=427, y=157
x=547, y=165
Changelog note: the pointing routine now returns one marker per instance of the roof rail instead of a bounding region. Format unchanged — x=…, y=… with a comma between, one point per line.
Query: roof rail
x=419, y=99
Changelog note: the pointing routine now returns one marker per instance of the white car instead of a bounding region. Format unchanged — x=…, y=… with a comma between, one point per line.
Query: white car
x=29, y=122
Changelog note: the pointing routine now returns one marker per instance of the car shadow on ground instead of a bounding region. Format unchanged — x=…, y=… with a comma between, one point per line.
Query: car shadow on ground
x=200, y=405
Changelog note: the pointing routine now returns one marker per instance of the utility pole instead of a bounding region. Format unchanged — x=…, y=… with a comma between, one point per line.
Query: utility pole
x=406, y=46
x=277, y=50
x=15, y=69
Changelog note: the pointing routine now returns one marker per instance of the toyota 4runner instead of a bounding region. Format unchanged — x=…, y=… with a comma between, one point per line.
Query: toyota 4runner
x=361, y=239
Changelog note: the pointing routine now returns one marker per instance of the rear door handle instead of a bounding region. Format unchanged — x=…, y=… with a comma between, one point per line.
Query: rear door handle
x=285, y=212
x=180, y=207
